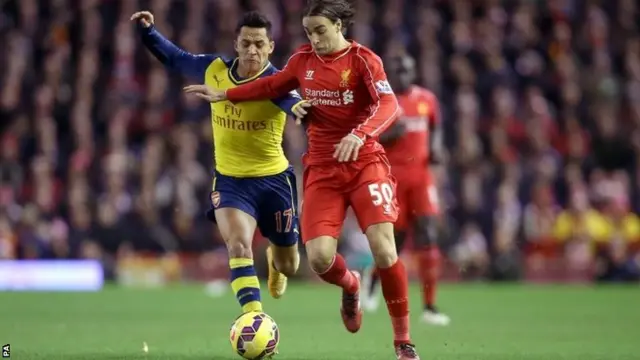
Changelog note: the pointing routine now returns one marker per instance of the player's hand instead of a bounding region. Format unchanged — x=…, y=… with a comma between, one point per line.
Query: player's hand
x=206, y=93
x=348, y=148
x=144, y=17
x=300, y=111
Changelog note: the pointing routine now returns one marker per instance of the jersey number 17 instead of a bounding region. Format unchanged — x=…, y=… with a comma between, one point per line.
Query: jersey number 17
x=286, y=218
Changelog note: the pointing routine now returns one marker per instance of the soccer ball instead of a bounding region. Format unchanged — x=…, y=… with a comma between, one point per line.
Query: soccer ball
x=254, y=335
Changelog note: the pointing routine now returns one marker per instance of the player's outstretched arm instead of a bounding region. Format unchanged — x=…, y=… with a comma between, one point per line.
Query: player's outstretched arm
x=167, y=52
x=275, y=86
x=292, y=103
x=269, y=87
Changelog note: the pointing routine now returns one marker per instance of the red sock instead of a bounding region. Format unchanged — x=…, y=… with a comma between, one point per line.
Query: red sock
x=338, y=274
x=395, y=288
x=429, y=261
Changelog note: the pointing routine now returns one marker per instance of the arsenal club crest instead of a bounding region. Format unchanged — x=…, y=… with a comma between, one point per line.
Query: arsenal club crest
x=215, y=199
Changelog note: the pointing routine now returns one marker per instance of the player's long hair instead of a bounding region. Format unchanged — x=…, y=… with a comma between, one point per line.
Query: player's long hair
x=333, y=10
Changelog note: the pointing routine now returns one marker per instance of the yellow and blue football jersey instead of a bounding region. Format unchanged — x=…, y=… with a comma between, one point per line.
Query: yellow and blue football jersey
x=247, y=136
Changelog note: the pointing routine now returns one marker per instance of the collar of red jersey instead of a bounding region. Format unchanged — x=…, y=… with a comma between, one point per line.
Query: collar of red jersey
x=336, y=55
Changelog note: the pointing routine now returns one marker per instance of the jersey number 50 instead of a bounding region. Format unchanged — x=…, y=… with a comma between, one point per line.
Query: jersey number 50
x=381, y=193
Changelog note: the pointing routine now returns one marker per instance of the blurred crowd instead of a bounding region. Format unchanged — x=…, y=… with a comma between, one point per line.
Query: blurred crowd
x=101, y=154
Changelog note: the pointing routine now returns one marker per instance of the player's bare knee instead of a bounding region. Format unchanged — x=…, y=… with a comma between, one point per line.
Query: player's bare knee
x=382, y=243
x=237, y=247
x=320, y=253
x=320, y=263
x=385, y=257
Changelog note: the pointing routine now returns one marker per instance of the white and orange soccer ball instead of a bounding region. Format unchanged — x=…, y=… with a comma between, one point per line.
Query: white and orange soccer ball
x=254, y=336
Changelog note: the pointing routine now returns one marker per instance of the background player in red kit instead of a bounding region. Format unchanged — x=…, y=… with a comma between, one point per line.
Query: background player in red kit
x=413, y=146
x=345, y=165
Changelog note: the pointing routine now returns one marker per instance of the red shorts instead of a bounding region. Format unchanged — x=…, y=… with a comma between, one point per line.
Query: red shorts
x=417, y=194
x=368, y=187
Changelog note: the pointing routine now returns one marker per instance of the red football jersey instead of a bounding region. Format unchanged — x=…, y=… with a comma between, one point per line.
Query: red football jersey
x=419, y=112
x=349, y=93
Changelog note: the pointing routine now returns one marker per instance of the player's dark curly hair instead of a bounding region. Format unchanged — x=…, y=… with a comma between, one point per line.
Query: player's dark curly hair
x=333, y=10
x=255, y=20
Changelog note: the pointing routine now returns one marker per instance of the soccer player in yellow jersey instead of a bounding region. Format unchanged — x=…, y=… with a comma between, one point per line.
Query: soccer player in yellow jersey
x=254, y=184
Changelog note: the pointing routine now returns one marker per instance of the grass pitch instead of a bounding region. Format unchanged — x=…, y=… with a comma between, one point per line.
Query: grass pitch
x=490, y=322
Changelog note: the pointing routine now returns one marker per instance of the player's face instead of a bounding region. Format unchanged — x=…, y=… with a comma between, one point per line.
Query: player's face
x=401, y=73
x=254, y=47
x=322, y=33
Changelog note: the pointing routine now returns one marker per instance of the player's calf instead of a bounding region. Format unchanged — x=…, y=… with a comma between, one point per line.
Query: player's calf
x=430, y=262
x=283, y=263
x=329, y=265
x=286, y=259
x=428, y=258
x=383, y=245
x=244, y=279
x=332, y=268
x=237, y=228
x=371, y=279
x=393, y=279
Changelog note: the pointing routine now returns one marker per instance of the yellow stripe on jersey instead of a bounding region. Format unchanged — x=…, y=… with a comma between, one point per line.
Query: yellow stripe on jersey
x=247, y=136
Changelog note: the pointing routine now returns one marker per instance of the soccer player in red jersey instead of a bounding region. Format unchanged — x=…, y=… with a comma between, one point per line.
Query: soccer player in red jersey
x=352, y=104
x=413, y=146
